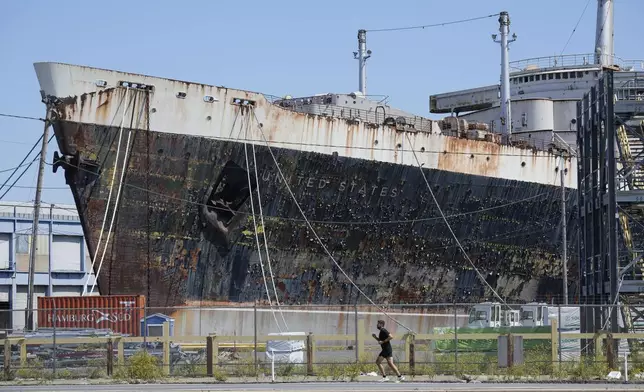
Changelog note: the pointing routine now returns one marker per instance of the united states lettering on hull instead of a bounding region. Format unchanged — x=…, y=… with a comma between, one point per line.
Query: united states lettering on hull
x=186, y=199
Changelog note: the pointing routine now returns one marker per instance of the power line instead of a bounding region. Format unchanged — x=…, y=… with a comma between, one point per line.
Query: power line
x=24, y=171
x=575, y=29
x=44, y=187
x=13, y=168
x=13, y=142
x=21, y=117
x=434, y=24
x=23, y=161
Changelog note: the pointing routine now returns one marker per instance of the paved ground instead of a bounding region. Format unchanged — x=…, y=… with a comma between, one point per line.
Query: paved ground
x=331, y=387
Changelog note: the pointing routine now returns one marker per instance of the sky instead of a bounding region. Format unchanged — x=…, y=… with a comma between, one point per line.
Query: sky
x=289, y=47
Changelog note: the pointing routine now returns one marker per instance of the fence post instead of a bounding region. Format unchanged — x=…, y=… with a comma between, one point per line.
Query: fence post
x=554, y=343
x=23, y=352
x=360, y=338
x=510, y=350
x=54, y=343
x=355, y=319
x=166, y=348
x=610, y=352
x=7, y=358
x=209, y=355
x=110, y=357
x=309, y=353
x=410, y=348
x=120, y=356
x=455, y=339
x=212, y=353
x=255, y=333
x=597, y=342
x=559, y=335
x=145, y=327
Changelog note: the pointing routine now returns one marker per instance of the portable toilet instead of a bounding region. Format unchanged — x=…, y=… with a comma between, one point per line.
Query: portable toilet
x=155, y=325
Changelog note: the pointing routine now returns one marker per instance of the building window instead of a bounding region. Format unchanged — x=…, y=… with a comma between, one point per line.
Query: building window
x=5, y=250
x=23, y=246
x=66, y=253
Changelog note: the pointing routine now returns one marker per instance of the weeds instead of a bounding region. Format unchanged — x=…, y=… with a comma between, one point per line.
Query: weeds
x=537, y=364
x=140, y=366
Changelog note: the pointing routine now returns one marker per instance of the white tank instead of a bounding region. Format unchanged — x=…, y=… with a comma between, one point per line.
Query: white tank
x=532, y=115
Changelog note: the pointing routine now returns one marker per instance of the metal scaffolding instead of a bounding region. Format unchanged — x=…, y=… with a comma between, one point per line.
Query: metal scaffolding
x=610, y=140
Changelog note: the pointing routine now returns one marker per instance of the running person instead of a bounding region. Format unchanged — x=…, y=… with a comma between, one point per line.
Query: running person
x=387, y=352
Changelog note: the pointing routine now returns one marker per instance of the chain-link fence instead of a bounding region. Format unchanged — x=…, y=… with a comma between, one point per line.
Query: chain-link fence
x=327, y=342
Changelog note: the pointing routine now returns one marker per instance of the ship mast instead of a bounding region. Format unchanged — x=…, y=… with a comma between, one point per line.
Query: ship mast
x=604, y=33
x=362, y=55
x=504, y=28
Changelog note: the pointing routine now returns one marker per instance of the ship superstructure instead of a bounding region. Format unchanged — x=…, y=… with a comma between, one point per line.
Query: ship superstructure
x=545, y=90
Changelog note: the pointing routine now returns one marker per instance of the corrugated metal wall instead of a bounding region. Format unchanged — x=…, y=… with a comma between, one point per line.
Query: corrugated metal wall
x=20, y=304
x=120, y=313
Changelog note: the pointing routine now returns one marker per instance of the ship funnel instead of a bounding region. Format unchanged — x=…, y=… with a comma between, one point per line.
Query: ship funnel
x=604, y=33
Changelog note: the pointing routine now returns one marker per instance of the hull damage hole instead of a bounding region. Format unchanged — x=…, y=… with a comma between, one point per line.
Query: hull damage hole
x=223, y=200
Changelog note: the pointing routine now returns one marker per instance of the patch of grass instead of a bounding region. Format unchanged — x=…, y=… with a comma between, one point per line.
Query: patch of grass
x=330, y=371
x=219, y=374
x=34, y=368
x=140, y=366
x=97, y=368
x=197, y=369
x=245, y=368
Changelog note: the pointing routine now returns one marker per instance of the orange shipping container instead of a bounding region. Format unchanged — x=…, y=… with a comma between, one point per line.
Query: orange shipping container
x=120, y=313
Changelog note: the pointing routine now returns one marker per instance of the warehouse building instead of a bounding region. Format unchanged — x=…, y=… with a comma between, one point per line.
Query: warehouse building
x=62, y=258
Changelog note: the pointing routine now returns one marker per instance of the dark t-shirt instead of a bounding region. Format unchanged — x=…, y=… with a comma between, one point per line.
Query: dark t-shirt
x=384, y=334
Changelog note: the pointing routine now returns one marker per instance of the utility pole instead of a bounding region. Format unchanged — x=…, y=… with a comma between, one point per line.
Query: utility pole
x=29, y=316
x=564, y=253
x=506, y=115
x=362, y=55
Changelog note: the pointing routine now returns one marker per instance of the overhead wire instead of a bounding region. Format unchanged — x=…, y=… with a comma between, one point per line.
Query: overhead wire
x=433, y=24
x=21, y=117
x=59, y=188
x=575, y=28
x=23, y=160
x=24, y=171
x=13, y=168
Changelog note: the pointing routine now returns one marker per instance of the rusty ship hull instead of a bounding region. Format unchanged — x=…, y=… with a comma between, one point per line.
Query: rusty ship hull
x=184, y=231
